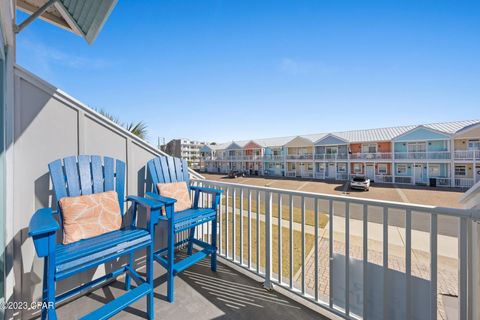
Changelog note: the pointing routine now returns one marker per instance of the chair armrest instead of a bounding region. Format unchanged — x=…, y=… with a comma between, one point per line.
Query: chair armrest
x=165, y=200
x=147, y=203
x=42, y=229
x=42, y=223
x=206, y=190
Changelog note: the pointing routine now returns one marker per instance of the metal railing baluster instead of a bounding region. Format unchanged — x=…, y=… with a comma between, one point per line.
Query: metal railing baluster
x=241, y=226
x=316, y=247
x=408, y=264
x=303, y=244
x=249, y=240
x=258, y=232
x=268, y=241
x=385, y=263
x=234, y=226
x=347, y=258
x=290, y=208
x=330, y=252
x=280, y=229
x=433, y=266
x=365, y=261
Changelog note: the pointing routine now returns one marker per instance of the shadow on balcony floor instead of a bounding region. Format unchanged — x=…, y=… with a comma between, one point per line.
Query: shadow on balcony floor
x=199, y=294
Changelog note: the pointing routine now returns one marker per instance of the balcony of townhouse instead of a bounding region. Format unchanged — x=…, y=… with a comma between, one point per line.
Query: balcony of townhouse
x=423, y=155
x=299, y=157
x=366, y=156
x=469, y=155
x=331, y=157
x=273, y=157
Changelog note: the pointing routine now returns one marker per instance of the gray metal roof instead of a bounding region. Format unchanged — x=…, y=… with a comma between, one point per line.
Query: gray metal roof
x=83, y=17
x=366, y=135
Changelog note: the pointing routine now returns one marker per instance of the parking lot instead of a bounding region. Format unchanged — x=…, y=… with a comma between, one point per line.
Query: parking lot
x=443, y=197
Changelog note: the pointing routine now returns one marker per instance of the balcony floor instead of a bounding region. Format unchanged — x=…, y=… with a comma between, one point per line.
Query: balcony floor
x=199, y=294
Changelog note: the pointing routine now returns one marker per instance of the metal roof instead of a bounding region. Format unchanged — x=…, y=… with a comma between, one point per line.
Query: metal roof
x=83, y=17
x=366, y=135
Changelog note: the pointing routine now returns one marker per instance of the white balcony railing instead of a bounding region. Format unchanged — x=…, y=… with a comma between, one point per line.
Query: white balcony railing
x=371, y=156
x=466, y=155
x=407, y=180
x=331, y=156
x=464, y=182
x=383, y=178
x=307, y=156
x=271, y=157
x=290, y=174
x=430, y=155
x=321, y=253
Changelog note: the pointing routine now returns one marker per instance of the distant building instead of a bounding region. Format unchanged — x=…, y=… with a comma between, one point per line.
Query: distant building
x=185, y=149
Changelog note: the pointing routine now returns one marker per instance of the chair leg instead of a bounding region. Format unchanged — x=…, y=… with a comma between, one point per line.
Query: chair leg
x=150, y=309
x=213, y=257
x=127, y=275
x=51, y=308
x=45, y=288
x=190, y=243
x=171, y=257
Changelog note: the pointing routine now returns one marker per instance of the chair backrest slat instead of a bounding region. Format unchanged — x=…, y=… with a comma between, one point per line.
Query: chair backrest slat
x=152, y=172
x=185, y=170
x=108, y=168
x=85, y=174
x=97, y=173
x=58, y=178
x=158, y=169
x=171, y=169
x=165, y=171
x=73, y=181
x=178, y=168
x=120, y=182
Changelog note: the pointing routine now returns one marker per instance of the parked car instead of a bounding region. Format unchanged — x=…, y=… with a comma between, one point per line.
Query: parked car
x=236, y=174
x=360, y=182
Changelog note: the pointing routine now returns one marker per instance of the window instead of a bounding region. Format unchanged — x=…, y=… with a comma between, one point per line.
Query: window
x=401, y=169
x=417, y=147
x=434, y=170
x=460, y=171
x=382, y=168
x=369, y=148
x=474, y=144
x=331, y=150
x=357, y=168
x=342, y=167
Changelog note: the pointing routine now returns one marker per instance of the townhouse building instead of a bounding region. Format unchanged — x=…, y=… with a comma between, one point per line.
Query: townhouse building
x=439, y=154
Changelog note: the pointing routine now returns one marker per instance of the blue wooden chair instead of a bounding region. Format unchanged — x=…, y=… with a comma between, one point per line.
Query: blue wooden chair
x=165, y=170
x=84, y=175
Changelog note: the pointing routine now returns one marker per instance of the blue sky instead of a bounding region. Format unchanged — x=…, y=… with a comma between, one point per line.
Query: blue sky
x=238, y=69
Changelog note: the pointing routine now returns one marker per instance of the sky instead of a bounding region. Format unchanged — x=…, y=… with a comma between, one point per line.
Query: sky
x=241, y=69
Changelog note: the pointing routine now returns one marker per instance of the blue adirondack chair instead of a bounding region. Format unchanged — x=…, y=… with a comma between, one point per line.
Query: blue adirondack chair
x=84, y=175
x=169, y=169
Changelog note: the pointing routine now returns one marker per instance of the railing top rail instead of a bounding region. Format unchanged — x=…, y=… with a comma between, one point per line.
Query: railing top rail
x=456, y=212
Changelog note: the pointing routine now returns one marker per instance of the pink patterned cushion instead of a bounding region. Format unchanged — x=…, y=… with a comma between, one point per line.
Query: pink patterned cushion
x=90, y=215
x=177, y=191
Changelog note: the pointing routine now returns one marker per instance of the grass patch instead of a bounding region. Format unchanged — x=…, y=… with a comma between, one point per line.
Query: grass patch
x=297, y=211
x=297, y=245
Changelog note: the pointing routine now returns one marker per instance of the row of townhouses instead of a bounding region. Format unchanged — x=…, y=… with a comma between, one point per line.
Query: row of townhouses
x=439, y=154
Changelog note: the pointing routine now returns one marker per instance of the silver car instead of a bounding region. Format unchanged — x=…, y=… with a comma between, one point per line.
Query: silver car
x=360, y=182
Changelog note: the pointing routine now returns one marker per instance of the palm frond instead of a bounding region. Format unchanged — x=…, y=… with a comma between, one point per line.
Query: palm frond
x=140, y=129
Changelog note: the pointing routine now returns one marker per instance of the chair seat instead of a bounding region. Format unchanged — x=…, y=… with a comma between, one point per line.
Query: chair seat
x=189, y=218
x=88, y=250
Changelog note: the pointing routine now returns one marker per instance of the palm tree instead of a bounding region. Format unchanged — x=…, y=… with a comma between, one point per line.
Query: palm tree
x=140, y=129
